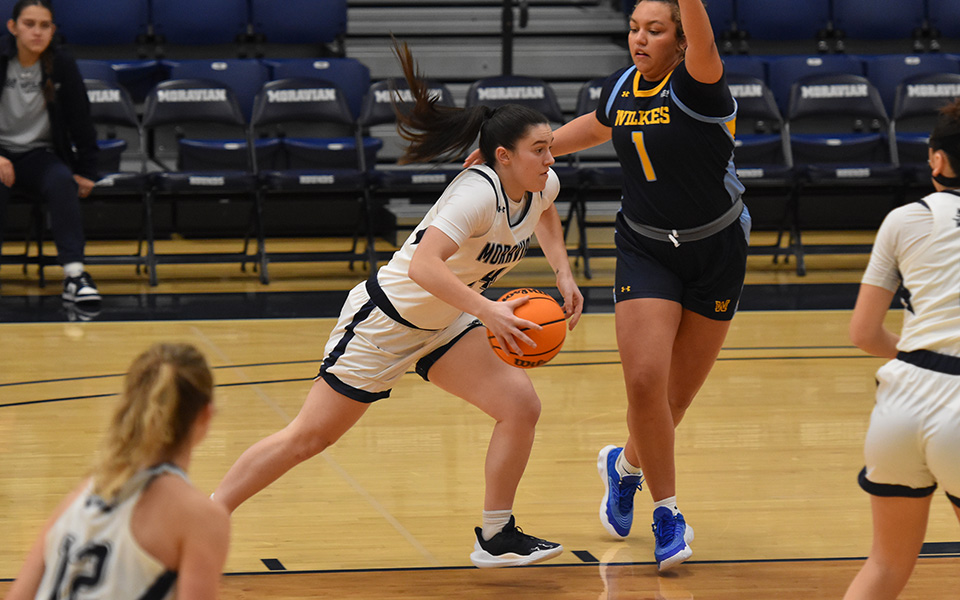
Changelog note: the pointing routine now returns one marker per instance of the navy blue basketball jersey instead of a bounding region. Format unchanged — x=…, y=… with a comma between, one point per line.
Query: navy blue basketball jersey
x=674, y=139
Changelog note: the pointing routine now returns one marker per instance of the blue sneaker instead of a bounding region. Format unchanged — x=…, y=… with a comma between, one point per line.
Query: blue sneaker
x=616, y=509
x=671, y=533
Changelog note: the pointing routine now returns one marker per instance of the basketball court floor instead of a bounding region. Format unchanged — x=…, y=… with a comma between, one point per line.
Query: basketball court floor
x=767, y=456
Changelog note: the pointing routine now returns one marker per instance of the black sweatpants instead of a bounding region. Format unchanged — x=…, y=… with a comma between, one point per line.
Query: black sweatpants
x=41, y=174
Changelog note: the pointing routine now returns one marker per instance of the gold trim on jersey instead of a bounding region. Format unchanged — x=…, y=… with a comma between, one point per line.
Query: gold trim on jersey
x=638, y=93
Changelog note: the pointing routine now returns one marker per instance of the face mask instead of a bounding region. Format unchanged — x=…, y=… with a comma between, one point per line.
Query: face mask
x=948, y=182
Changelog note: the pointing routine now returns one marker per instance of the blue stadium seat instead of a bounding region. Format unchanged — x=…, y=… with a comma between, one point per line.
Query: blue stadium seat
x=516, y=89
x=840, y=131
x=784, y=71
x=244, y=76
x=121, y=162
x=196, y=23
x=139, y=76
x=108, y=22
x=321, y=167
x=762, y=148
x=878, y=19
x=97, y=69
x=945, y=16
x=763, y=161
x=194, y=107
x=886, y=72
x=299, y=21
x=767, y=20
x=528, y=91
x=351, y=75
x=749, y=65
x=916, y=108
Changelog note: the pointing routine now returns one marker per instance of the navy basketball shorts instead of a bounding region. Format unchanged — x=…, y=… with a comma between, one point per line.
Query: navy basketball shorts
x=704, y=276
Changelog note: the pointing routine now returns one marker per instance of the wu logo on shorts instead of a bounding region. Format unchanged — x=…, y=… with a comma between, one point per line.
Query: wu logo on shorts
x=722, y=305
x=624, y=289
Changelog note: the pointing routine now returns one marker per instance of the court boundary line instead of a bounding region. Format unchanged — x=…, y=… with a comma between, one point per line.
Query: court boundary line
x=306, y=379
x=579, y=564
x=744, y=561
x=567, y=352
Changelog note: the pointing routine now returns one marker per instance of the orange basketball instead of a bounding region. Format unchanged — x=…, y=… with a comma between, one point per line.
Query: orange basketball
x=543, y=310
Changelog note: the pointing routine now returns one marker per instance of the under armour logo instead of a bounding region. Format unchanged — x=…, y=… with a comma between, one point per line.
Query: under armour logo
x=624, y=288
x=722, y=305
x=501, y=208
x=956, y=218
x=624, y=94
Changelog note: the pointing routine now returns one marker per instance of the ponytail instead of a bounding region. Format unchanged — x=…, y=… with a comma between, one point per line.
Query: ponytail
x=164, y=391
x=434, y=131
x=445, y=132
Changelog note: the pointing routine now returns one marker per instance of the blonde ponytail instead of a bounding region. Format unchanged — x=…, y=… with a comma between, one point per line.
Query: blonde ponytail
x=164, y=390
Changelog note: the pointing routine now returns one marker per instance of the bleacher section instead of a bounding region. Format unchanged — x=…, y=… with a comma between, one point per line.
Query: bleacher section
x=330, y=61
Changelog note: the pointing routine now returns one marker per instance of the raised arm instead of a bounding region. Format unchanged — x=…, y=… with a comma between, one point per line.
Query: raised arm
x=702, y=57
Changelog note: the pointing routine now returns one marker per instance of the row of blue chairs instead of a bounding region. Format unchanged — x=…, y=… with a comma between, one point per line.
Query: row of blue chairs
x=857, y=19
x=314, y=133
x=246, y=76
x=114, y=22
x=885, y=71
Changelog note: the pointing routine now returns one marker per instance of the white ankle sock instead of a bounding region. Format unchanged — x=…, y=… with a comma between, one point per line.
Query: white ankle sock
x=625, y=468
x=670, y=503
x=494, y=522
x=73, y=269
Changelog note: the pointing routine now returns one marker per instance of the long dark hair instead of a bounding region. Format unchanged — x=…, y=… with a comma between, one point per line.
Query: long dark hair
x=436, y=131
x=46, y=58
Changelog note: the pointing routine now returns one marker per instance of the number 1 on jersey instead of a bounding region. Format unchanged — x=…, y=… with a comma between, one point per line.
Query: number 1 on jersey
x=644, y=157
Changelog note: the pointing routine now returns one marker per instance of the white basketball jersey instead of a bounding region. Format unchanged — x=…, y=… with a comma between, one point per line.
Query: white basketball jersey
x=90, y=552
x=931, y=275
x=475, y=212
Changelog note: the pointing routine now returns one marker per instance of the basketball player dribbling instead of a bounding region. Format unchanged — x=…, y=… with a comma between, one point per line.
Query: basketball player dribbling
x=424, y=309
x=914, y=437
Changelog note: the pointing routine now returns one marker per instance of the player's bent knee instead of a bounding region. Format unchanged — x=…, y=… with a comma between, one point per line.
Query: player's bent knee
x=526, y=410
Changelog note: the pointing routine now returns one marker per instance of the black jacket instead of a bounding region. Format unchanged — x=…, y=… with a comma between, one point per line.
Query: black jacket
x=72, y=130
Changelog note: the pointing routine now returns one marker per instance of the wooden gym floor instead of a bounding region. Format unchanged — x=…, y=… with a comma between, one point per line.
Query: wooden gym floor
x=767, y=456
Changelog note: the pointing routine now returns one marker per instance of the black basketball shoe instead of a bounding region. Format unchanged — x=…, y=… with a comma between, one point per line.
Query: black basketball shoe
x=511, y=548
